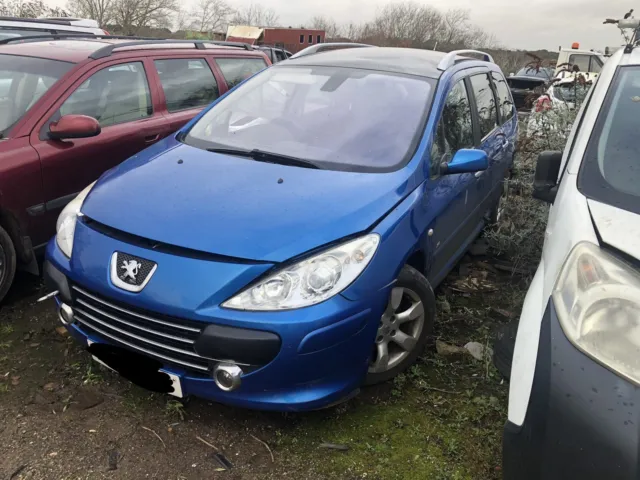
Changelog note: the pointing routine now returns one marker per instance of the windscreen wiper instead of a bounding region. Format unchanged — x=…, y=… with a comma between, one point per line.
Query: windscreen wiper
x=268, y=157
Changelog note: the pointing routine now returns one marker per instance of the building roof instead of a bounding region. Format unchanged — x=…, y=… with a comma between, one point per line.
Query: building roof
x=412, y=61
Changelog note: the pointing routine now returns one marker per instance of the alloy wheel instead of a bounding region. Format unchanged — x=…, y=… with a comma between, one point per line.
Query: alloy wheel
x=400, y=328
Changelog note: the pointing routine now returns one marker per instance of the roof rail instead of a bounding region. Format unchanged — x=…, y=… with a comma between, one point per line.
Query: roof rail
x=198, y=44
x=450, y=58
x=323, y=47
x=67, y=36
x=58, y=21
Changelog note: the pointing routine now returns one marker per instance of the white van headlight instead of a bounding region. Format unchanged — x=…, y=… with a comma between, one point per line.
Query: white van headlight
x=597, y=299
x=310, y=281
x=66, y=225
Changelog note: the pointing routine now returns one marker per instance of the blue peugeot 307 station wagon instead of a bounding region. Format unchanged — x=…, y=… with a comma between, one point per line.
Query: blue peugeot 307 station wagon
x=281, y=249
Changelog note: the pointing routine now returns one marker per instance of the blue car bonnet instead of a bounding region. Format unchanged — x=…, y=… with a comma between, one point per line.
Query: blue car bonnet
x=239, y=207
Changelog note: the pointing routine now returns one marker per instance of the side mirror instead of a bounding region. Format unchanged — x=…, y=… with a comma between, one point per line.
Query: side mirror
x=74, y=126
x=466, y=161
x=545, y=183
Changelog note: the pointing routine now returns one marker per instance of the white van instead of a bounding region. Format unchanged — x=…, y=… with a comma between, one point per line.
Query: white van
x=12, y=27
x=574, y=398
x=585, y=61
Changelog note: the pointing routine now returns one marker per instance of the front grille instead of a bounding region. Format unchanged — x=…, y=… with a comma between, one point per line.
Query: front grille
x=167, y=339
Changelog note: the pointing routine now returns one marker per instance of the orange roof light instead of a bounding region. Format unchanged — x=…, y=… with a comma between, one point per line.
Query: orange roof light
x=575, y=45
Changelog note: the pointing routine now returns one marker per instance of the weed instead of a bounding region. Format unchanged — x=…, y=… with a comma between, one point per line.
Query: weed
x=4, y=388
x=91, y=377
x=175, y=408
x=5, y=345
x=6, y=330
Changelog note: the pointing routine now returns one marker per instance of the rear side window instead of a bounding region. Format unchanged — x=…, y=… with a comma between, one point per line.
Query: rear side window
x=455, y=129
x=505, y=102
x=115, y=94
x=187, y=83
x=486, y=104
x=235, y=70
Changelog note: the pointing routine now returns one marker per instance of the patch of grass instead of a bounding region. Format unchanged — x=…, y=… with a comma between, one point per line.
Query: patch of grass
x=4, y=388
x=6, y=330
x=92, y=376
x=5, y=345
x=175, y=409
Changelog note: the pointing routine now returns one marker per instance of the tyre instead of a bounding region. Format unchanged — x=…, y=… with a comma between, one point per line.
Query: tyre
x=405, y=327
x=7, y=262
x=503, y=348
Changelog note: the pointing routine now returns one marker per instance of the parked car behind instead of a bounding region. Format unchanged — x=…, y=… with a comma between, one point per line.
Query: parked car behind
x=274, y=54
x=562, y=96
x=14, y=27
x=573, y=397
x=528, y=84
x=74, y=108
x=282, y=248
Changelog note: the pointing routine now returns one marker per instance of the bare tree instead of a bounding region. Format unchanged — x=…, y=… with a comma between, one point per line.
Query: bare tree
x=29, y=9
x=132, y=15
x=256, y=15
x=210, y=15
x=99, y=10
x=331, y=29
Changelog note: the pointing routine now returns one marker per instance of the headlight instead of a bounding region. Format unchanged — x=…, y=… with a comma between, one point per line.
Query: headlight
x=66, y=225
x=597, y=298
x=310, y=281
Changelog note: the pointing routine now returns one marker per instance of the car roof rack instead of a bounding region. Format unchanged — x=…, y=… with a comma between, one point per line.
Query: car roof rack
x=67, y=36
x=198, y=44
x=322, y=47
x=57, y=21
x=450, y=59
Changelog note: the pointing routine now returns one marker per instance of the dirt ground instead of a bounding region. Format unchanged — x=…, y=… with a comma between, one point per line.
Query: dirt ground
x=64, y=417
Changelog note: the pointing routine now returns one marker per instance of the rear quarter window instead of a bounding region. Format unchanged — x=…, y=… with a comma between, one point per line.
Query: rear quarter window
x=236, y=70
x=485, y=103
x=505, y=102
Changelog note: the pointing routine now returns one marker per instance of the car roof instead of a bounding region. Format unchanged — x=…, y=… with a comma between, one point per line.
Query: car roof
x=412, y=61
x=76, y=51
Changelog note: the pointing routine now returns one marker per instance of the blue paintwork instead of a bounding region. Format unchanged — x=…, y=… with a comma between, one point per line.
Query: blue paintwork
x=236, y=207
x=468, y=160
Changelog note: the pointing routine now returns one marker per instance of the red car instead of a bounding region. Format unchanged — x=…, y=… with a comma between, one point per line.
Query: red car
x=72, y=108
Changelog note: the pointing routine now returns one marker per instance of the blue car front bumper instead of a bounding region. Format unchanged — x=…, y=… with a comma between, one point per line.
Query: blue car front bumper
x=292, y=360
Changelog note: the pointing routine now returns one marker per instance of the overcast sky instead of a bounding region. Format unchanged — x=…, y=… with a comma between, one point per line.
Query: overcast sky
x=517, y=24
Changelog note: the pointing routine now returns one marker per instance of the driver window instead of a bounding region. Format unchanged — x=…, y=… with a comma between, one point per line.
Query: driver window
x=115, y=94
x=454, y=130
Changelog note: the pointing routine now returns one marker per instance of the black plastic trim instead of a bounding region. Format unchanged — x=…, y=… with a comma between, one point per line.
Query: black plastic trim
x=252, y=347
x=54, y=280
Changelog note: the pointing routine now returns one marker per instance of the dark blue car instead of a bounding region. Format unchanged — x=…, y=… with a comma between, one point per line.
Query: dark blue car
x=281, y=250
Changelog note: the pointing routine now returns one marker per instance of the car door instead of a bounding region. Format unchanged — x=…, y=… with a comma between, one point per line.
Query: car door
x=508, y=121
x=492, y=141
x=187, y=86
x=117, y=94
x=449, y=195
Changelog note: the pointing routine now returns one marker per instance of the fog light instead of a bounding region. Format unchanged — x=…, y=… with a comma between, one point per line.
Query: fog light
x=227, y=376
x=65, y=313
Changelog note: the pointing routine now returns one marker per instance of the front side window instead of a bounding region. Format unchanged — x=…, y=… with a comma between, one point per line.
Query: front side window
x=455, y=128
x=187, y=83
x=486, y=104
x=596, y=65
x=610, y=171
x=505, y=101
x=236, y=70
x=23, y=80
x=115, y=94
x=338, y=118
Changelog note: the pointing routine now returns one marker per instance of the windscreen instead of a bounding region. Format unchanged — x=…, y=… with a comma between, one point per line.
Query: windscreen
x=338, y=118
x=570, y=92
x=23, y=80
x=610, y=172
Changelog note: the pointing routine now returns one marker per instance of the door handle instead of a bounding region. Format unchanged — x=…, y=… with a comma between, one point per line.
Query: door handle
x=152, y=138
x=479, y=173
x=505, y=144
